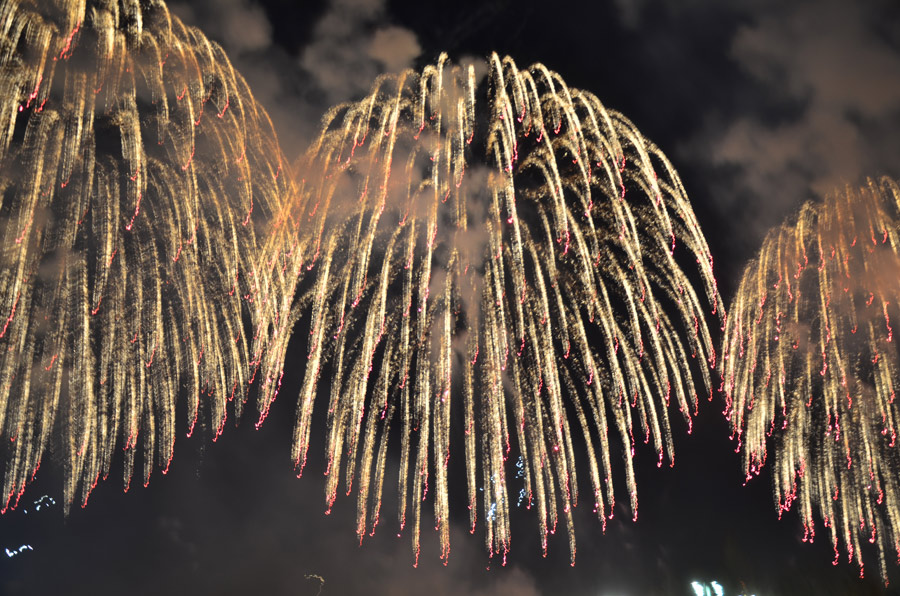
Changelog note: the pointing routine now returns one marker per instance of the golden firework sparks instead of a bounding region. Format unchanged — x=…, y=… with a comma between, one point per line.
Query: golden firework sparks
x=504, y=258
x=138, y=177
x=811, y=366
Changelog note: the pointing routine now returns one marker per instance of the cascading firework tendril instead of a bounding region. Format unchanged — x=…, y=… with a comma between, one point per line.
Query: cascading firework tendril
x=504, y=255
x=809, y=360
x=138, y=177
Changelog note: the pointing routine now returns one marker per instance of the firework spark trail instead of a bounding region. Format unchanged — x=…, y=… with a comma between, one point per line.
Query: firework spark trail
x=810, y=361
x=517, y=255
x=138, y=176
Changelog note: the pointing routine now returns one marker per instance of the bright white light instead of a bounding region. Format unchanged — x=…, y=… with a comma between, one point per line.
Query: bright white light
x=713, y=588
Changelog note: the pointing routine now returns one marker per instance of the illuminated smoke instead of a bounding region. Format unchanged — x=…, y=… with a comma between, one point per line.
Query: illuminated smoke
x=811, y=367
x=497, y=264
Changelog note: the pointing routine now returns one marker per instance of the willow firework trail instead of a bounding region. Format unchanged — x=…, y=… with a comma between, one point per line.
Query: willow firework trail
x=138, y=176
x=810, y=360
x=506, y=255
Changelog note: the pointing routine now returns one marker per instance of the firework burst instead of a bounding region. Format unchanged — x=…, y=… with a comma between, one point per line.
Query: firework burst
x=137, y=176
x=502, y=257
x=811, y=366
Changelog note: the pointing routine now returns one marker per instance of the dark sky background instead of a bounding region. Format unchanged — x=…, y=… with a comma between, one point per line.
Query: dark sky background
x=759, y=105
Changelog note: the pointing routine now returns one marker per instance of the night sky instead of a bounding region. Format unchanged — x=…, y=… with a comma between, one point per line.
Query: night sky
x=759, y=105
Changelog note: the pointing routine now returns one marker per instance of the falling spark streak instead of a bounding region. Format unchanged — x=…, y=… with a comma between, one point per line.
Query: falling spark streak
x=99, y=104
x=461, y=258
x=827, y=336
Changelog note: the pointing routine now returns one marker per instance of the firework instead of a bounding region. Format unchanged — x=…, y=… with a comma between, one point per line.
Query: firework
x=810, y=361
x=504, y=258
x=138, y=176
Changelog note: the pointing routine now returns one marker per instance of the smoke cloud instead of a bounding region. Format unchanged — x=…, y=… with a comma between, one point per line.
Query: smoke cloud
x=351, y=44
x=804, y=100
